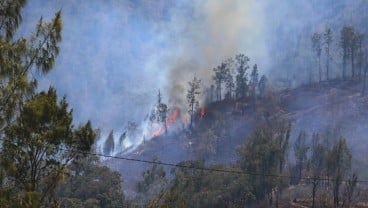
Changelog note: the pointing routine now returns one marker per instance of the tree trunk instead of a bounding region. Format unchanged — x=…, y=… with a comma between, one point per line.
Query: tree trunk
x=314, y=189
x=319, y=68
x=328, y=63
x=352, y=64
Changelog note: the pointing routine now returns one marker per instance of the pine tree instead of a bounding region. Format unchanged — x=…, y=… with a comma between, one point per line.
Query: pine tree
x=192, y=97
x=327, y=36
x=39, y=145
x=339, y=160
x=317, y=47
x=221, y=75
x=300, y=151
x=346, y=34
x=241, y=77
x=253, y=83
x=262, y=85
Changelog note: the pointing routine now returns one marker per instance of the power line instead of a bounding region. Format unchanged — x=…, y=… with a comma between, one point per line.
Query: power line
x=208, y=169
x=201, y=168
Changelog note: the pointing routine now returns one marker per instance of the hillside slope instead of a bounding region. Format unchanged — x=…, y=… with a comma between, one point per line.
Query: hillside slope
x=334, y=109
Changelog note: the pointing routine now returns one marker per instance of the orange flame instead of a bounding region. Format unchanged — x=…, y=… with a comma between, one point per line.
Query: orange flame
x=202, y=113
x=169, y=121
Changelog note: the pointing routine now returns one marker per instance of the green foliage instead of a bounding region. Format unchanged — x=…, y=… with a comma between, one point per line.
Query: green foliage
x=40, y=143
x=196, y=188
x=91, y=185
x=10, y=17
x=265, y=152
x=152, y=178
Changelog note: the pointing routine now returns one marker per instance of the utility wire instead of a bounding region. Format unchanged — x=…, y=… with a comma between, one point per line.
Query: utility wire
x=207, y=169
x=201, y=168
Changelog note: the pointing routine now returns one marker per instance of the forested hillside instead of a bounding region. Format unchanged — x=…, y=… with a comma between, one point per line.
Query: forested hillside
x=183, y=103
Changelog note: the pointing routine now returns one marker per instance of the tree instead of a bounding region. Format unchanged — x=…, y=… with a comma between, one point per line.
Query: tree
x=262, y=85
x=159, y=113
x=19, y=57
x=191, y=187
x=39, y=145
x=221, y=74
x=349, y=190
x=109, y=145
x=192, y=99
x=365, y=68
x=90, y=185
x=253, y=83
x=360, y=59
x=300, y=150
x=353, y=49
x=317, y=163
x=339, y=159
x=346, y=34
x=241, y=77
x=229, y=80
x=327, y=36
x=265, y=152
x=317, y=47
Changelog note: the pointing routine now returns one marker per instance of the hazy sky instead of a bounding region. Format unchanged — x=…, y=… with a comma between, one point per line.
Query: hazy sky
x=116, y=54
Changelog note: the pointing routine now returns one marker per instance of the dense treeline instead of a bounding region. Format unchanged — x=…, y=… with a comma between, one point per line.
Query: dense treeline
x=348, y=48
x=322, y=168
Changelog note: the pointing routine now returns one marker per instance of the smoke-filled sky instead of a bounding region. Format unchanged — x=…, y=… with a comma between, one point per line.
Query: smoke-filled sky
x=116, y=54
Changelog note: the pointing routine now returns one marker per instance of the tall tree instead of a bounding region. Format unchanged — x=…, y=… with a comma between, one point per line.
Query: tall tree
x=91, y=185
x=300, y=150
x=339, y=159
x=222, y=75
x=353, y=49
x=317, y=163
x=241, y=77
x=192, y=97
x=229, y=80
x=360, y=55
x=253, y=83
x=346, y=34
x=18, y=57
x=39, y=145
x=159, y=112
x=262, y=85
x=327, y=36
x=265, y=152
x=365, y=68
x=317, y=47
x=109, y=145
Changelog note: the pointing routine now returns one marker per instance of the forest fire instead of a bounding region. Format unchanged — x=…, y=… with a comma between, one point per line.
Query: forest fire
x=169, y=121
x=202, y=113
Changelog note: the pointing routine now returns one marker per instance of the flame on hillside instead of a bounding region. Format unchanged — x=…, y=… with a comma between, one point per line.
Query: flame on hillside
x=202, y=112
x=169, y=121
